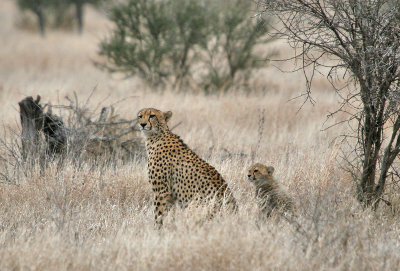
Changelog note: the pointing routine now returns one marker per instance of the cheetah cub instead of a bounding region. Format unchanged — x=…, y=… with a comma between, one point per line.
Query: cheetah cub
x=270, y=196
x=176, y=173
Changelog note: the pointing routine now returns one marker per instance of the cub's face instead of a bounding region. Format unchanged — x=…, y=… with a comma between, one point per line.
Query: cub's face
x=153, y=121
x=260, y=172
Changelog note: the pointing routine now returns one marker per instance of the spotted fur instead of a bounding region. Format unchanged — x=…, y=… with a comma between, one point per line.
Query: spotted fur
x=269, y=195
x=175, y=172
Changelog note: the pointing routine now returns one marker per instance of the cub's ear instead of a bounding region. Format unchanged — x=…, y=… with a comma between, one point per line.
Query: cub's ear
x=167, y=115
x=270, y=170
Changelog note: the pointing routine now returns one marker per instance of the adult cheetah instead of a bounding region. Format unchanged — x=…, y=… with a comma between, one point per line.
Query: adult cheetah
x=175, y=172
x=269, y=194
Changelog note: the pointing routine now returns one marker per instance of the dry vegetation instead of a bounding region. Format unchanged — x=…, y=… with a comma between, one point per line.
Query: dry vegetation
x=82, y=217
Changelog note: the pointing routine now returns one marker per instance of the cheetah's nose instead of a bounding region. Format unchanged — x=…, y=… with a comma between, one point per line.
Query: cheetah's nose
x=249, y=175
x=143, y=124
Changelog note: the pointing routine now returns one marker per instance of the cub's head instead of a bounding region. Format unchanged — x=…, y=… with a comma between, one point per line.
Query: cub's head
x=259, y=173
x=153, y=121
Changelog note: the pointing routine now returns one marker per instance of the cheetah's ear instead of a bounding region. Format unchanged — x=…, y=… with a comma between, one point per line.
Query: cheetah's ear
x=167, y=115
x=270, y=170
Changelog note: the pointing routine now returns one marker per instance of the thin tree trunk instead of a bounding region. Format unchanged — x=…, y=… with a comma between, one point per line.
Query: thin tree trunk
x=371, y=151
x=390, y=154
x=79, y=14
x=41, y=21
x=366, y=186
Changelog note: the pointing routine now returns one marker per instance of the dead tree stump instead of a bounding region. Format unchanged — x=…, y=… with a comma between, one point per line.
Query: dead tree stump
x=31, y=114
x=34, y=121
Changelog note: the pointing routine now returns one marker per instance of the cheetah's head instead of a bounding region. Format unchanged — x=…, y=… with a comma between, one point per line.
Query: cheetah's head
x=258, y=173
x=153, y=121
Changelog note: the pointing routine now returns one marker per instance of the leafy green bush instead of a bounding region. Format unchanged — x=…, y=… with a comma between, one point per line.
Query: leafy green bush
x=230, y=55
x=184, y=42
x=154, y=39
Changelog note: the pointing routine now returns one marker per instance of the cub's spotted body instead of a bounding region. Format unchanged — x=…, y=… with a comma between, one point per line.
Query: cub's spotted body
x=176, y=173
x=268, y=192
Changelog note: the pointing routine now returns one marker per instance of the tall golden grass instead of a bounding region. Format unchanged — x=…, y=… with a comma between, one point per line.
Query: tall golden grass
x=80, y=217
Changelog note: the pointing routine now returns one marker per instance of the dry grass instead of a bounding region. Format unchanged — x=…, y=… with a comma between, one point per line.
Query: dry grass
x=80, y=217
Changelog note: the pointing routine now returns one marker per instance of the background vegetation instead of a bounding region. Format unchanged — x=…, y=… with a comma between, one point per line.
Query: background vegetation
x=363, y=40
x=208, y=44
x=53, y=13
x=83, y=216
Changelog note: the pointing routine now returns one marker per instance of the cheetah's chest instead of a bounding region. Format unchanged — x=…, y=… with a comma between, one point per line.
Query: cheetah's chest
x=173, y=165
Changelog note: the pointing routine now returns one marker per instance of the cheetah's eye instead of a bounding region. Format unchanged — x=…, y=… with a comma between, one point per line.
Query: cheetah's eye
x=152, y=116
x=140, y=116
x=256, y=170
